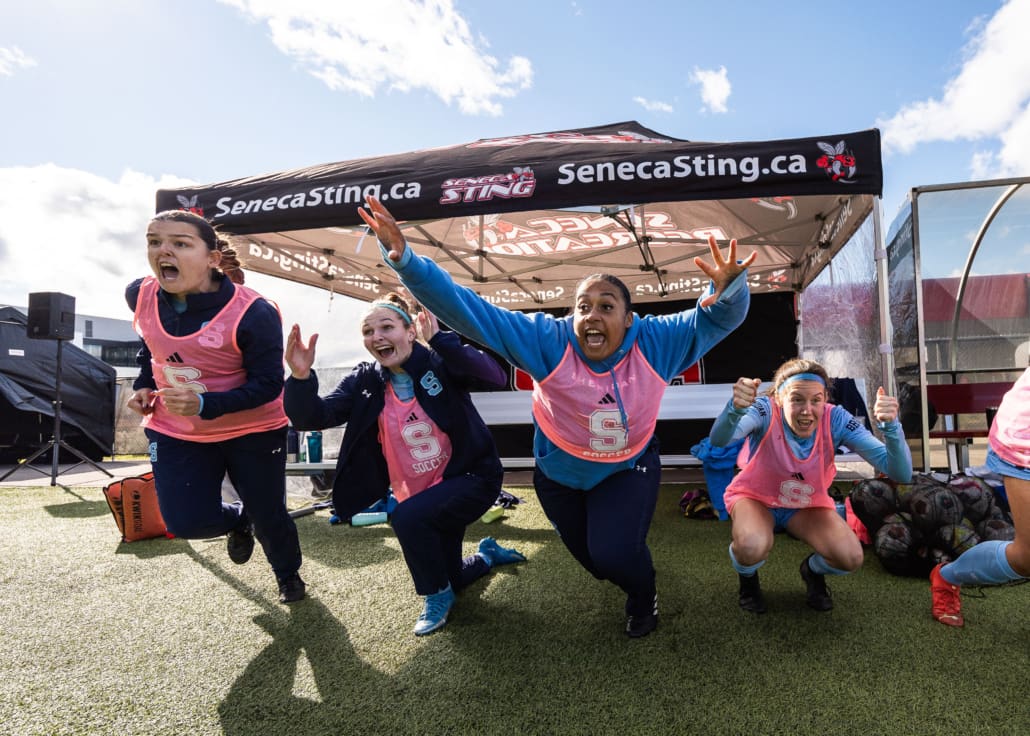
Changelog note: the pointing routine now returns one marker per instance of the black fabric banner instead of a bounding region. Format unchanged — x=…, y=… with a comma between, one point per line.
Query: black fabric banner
x=521, y=219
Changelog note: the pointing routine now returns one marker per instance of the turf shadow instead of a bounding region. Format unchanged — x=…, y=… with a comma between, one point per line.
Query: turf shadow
x=78, y=509
x=348, y=694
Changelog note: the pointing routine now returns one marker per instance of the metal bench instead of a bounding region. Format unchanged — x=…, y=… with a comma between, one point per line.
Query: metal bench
x=951, y=401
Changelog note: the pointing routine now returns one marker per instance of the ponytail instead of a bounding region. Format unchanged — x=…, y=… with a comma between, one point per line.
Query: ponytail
x=230, y=265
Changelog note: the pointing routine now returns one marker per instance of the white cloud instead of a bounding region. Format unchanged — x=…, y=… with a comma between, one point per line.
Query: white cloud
x=80, y=234
x=1014, y=156
x=72, y=231
x=987, y=99
x=653, y=105
x=715, y=87
x=13, y=59
x=401, y=45
x=981, y=165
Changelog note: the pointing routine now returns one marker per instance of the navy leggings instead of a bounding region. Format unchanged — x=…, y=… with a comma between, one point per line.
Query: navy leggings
x=189, y=475
x=605, y=528
x=430, y=527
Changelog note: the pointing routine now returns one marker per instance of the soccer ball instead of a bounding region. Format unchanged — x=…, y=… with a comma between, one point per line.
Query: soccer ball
x=976, y=496
x=894, y=539
x=901, y=517
x=920, y=481
x=933, y=556
x=996, y=530
x=896, y=545
x=904, y=493
x=934, y=506
x=957, y=538
x=997, y=512
x=872, y=499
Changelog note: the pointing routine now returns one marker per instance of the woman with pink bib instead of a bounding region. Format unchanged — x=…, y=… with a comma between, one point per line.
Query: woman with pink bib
x=598, y=378
x=994, y=562
x=210, y=393
x=788, y=465
x=411, y=427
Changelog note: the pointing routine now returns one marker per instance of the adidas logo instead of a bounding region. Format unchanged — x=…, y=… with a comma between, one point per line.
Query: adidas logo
x=174, y=358
x=411, y=417
x=798, y=476
x=606, y=399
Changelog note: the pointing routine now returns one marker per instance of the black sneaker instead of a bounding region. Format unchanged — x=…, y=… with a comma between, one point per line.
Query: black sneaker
x=239, y=544
x=638, y=626
x=291, y=589
x=817, y=594
x=751, y=598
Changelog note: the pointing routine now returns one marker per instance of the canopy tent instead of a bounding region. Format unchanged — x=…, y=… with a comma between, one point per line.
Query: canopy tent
x=522, y=219
x=28, y=383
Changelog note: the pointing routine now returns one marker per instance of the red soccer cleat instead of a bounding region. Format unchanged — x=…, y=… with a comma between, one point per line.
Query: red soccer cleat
x=947, y=602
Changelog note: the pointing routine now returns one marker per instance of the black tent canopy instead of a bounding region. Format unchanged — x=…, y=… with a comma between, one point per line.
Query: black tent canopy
x=28, y=370
x=522, y=219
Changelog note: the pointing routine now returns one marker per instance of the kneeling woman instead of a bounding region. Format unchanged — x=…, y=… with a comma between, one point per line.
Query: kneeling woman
x=784, y=484
x=411, y=425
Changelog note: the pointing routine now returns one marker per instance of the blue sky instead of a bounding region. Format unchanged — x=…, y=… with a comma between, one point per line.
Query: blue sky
x=104, y=101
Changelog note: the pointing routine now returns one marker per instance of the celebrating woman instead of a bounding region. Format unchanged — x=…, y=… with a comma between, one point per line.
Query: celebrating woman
x=598, y=376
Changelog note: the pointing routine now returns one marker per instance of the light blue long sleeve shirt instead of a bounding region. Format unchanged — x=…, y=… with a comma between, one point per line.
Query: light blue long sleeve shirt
x=891, y=457
x=536, y=342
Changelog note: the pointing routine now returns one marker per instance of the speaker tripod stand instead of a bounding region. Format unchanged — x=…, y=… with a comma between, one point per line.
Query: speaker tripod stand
x=56, y=443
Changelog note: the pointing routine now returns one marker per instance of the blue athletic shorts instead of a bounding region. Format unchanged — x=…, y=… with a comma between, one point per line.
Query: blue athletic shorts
x=781, y=517
x=1002, y=467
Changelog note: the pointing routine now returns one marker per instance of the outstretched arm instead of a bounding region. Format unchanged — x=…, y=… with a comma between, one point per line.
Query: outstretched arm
x=531, y=342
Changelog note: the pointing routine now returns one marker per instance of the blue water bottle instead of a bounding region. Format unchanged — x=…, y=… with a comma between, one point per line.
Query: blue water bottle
x=292, y=445
x=314, y=447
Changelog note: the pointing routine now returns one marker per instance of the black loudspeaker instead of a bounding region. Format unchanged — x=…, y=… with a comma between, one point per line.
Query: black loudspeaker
x=51, y=316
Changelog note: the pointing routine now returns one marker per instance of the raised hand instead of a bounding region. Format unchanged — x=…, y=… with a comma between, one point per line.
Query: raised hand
x=299, y=357
x=886, y=407
x=724, y=270
x=381, y=222
x=426, y=324
x=745, y=391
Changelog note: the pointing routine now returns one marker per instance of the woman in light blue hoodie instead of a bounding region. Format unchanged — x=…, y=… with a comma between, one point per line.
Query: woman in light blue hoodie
x=598, y=377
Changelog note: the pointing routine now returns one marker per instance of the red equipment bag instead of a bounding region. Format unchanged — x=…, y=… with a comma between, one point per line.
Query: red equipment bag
x=133, y=503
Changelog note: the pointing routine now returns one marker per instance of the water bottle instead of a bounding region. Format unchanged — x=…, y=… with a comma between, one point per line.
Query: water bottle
x=314, y=447
x=367, y=519
x=292, y=445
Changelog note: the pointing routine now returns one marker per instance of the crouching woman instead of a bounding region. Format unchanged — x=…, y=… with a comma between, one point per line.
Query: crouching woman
x=793, y=435
x=412, y=427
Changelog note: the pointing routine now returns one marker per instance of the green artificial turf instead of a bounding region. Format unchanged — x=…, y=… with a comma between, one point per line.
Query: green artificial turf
x=169, y=637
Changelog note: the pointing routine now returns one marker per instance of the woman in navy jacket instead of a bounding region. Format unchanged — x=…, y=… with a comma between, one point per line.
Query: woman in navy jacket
x=210, y=393
x=412, y=427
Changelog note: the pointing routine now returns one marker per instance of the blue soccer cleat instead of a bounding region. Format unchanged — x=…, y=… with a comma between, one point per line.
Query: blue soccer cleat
x=434, y=613
x=495, y=554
